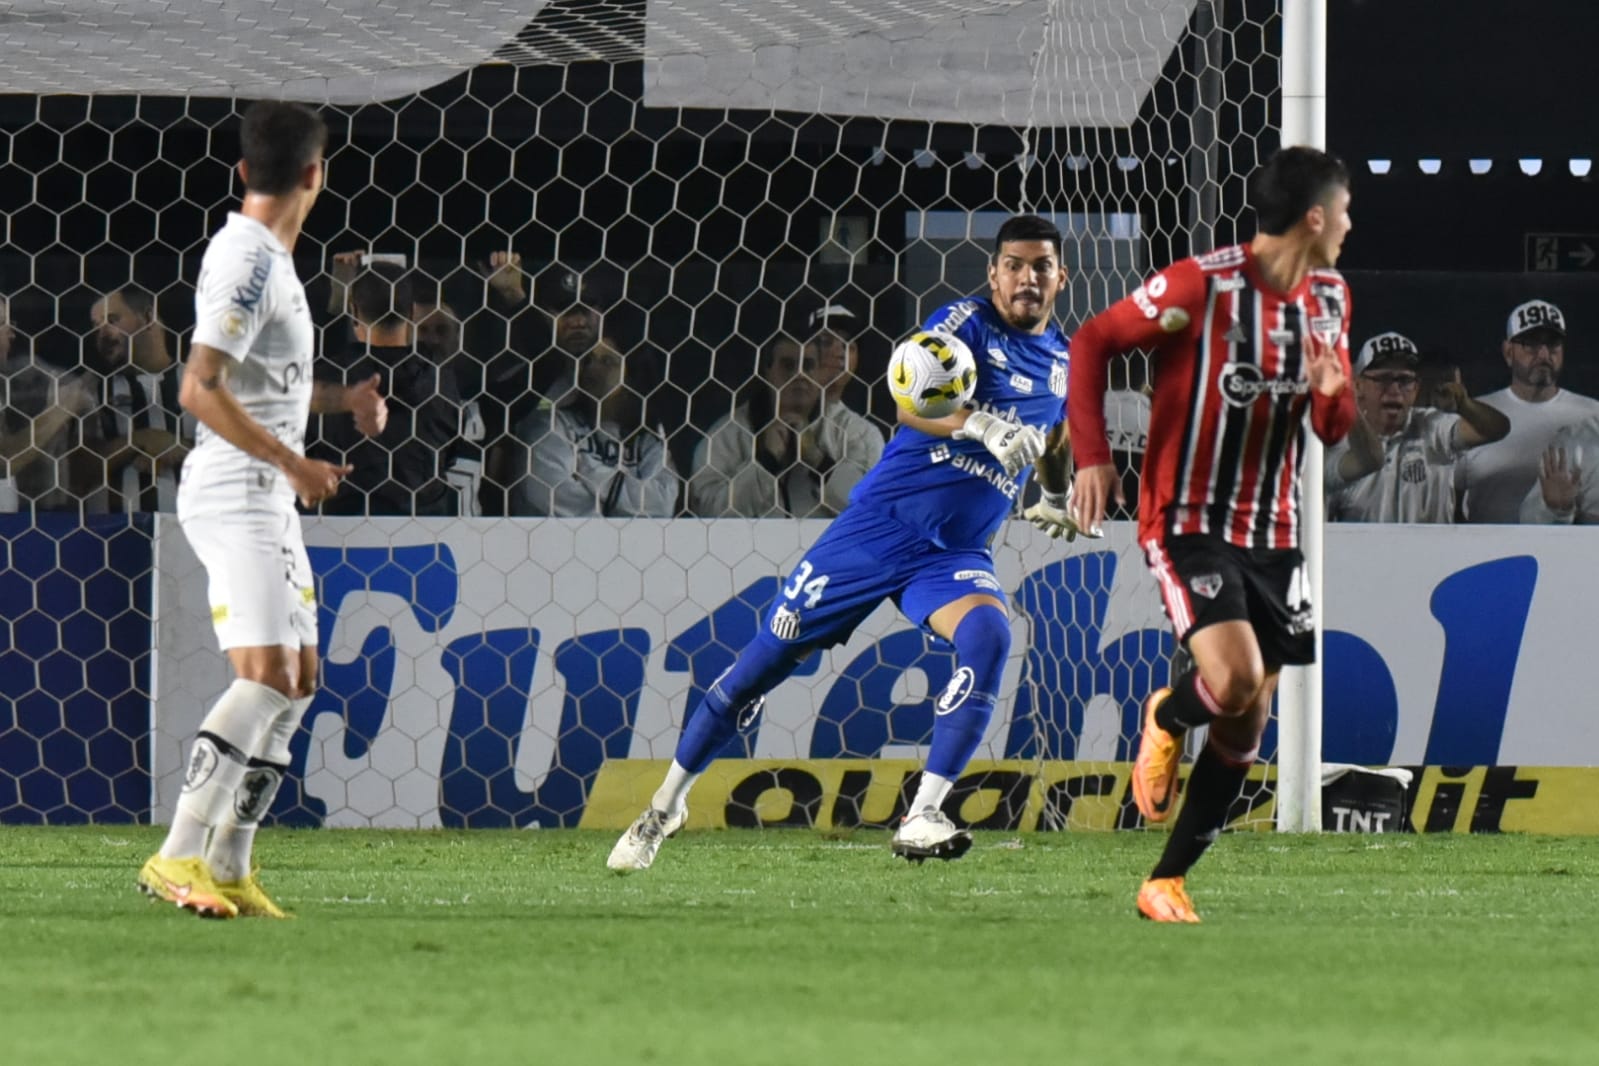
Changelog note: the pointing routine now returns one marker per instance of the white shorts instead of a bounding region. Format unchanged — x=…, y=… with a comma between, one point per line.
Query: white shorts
x=260, y=585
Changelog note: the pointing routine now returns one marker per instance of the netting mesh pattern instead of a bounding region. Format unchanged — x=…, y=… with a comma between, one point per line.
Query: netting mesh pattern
x=543, y=218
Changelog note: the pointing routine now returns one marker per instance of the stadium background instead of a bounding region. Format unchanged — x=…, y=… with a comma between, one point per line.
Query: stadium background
x=700, y=224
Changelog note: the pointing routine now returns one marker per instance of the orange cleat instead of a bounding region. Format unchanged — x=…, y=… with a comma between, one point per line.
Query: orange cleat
x=1162, y=899
x=1155, y=771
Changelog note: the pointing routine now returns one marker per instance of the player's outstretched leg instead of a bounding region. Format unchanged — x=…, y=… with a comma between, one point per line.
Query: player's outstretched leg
x=179, y=872
x=1213, y=784
x=961, y=716
x=732, y=703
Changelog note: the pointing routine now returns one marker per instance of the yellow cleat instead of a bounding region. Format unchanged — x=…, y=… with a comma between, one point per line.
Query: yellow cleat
x=188, y=884
x=1163, y=900
x=1155, y=771
x=251, y=899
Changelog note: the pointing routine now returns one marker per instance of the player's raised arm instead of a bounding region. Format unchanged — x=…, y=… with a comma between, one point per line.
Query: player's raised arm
x=1013, y=444
x=1164, y=306
x=205, y=394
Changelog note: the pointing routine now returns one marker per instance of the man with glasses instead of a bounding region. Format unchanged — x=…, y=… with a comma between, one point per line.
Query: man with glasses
x=1492, y=481
x=1397, y=464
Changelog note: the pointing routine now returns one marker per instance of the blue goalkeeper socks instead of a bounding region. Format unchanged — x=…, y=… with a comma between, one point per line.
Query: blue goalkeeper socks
x=982, y=644
x=733, y=701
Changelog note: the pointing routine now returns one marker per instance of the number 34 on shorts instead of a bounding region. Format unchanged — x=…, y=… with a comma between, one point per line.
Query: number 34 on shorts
x=802, y=583
x=803, y=592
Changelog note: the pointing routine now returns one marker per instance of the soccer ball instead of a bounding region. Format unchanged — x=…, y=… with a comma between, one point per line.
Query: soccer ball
x=932, y=374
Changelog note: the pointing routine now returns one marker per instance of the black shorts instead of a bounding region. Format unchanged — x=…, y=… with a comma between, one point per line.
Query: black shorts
x=1205, y=580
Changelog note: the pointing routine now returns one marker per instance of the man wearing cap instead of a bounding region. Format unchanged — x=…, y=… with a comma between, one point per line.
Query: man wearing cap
x=1492, y=481
x=834, y=328
x=1397, y=464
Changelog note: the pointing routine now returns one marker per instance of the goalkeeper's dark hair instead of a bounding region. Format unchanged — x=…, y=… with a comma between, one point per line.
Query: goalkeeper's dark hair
x=380, y=296
x=1026, y=228
x=1290, y=183
x=277, y=141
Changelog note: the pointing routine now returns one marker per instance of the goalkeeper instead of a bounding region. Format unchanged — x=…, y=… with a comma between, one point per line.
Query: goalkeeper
x=916, y=530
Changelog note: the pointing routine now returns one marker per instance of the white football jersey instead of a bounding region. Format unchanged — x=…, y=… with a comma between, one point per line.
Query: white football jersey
x=250, y=304
x=1417, y=479
x=1494, y=479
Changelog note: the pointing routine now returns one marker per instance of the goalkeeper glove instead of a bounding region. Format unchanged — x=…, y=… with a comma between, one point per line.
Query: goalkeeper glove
x=1014, y=445
x=1053, y=514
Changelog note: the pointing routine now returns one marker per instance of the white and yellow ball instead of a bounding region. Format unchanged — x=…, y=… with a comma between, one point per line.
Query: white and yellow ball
x=932, y=374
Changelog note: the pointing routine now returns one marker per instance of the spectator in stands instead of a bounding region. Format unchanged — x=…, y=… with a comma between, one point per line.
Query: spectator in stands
x=835, y=331
x=1567, y=489
x=1398, y=462
x=1492, y=481
x=402, y=471
x=518, y=380
x=141, y=434
x=438, y=339
x=779, y=453
x=591, y=451
x=40, y=408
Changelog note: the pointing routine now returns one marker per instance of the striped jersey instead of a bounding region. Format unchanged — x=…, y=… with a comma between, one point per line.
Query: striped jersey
x=954, y=491
x=138, y=400
x=1226, y=434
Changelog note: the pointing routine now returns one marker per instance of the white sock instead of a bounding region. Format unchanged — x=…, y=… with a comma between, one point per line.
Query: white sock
x=232, y=728
x=931, y=793
x=673, y=793
x=229, y=851
x=215, y=770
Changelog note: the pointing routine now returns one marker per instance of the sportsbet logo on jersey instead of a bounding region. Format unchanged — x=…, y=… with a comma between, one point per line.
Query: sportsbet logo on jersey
x=1243, y=383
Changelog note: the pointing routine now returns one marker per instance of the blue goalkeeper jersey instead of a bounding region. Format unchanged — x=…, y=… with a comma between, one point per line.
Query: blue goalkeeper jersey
x=954, y=491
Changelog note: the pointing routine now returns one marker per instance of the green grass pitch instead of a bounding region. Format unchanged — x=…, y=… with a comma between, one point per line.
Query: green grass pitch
x=793, y=947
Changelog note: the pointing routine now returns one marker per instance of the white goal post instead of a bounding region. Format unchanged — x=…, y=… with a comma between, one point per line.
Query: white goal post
x=1299, y=739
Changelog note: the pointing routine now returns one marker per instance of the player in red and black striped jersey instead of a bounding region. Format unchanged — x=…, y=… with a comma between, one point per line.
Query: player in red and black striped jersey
x=1247, y=340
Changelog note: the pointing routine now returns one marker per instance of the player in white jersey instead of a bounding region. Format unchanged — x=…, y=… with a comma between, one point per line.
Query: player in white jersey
x=1398, y=462
x=248, y=383
x=1494, y=480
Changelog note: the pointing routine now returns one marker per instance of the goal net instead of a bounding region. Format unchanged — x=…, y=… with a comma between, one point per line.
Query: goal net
x=681, y=184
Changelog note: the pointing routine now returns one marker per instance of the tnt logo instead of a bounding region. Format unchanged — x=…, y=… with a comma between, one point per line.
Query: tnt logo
x=1360, y=820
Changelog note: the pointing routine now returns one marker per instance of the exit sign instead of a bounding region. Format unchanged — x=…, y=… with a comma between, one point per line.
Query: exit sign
x=1562, y=252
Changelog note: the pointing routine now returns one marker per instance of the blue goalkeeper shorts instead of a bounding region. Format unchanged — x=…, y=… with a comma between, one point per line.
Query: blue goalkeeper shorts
x=863, y=558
